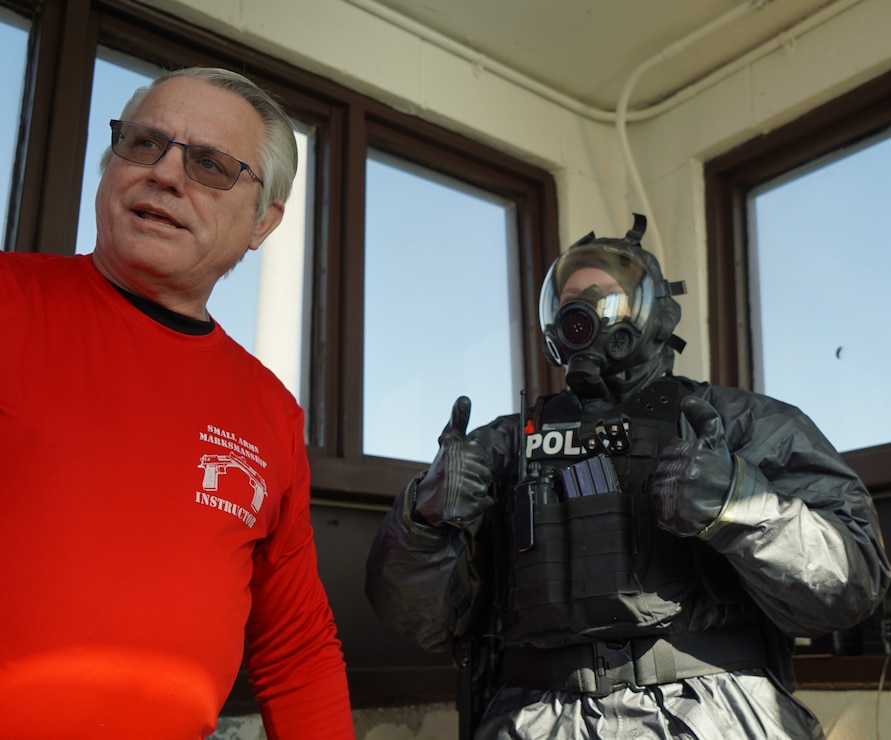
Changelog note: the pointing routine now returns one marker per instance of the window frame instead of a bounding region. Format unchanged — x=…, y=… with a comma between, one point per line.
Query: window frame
x=340, y=468
x=860, y=114
x=729, y=178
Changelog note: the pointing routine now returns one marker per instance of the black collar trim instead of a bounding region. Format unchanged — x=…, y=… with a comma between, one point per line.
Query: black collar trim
x=166, y=317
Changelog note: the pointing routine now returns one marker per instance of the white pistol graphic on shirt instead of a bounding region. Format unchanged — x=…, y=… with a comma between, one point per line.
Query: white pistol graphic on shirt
x=214, y=465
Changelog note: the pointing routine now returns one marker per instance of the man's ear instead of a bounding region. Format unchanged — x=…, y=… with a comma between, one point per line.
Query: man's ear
x=266, y=225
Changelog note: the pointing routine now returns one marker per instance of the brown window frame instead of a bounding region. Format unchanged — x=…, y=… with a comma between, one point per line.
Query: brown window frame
x=729, y=178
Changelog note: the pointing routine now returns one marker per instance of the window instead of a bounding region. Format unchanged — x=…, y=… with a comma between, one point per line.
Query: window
x=817, y=291
x=441, y=307
x=786, y=228
x=115, y=77
x=13, y=56
x=826, y=143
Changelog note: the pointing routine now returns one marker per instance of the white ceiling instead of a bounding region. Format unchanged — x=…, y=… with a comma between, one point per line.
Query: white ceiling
x=588, y=50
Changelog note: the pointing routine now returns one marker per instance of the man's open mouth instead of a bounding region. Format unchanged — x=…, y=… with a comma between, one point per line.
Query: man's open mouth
x=158, y=218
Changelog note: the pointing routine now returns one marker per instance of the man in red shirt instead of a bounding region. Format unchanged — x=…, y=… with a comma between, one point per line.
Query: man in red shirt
x=155, y=482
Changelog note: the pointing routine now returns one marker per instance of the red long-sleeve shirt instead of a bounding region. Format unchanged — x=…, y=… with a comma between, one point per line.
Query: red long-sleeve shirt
x=155, y=511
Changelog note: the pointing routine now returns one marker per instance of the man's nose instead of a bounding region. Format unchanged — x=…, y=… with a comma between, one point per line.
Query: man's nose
x=171, y=167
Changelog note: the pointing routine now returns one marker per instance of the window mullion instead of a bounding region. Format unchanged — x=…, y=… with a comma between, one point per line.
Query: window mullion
x=352, y=286
x=67, y=42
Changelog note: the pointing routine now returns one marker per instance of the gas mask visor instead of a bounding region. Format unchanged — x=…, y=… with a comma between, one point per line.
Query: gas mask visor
x=594, y=305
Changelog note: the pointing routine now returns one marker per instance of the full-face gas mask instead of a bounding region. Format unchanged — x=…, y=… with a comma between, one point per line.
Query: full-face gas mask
x=607, y=314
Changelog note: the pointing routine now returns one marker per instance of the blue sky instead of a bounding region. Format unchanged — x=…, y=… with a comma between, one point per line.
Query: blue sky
x=823, y=259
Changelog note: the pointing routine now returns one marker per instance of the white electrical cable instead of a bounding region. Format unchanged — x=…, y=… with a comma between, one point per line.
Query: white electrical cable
x=481, y=62
x=655, y=241
x=621, y=116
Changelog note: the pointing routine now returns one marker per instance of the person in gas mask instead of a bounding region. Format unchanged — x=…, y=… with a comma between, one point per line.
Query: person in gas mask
x=629, y=557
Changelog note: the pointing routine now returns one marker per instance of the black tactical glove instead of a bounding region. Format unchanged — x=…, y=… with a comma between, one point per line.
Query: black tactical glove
x=455, y=489
x=693, y=478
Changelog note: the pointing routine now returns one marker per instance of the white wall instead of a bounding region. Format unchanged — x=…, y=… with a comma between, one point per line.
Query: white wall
x=344, y=43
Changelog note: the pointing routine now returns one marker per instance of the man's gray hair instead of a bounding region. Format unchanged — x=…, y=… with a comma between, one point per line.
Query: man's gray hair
x=277, y=163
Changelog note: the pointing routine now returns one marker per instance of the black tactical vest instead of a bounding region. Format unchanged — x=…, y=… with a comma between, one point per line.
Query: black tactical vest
x=587, y=559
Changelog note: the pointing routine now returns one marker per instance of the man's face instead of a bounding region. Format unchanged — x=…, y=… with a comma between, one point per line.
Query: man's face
x=164, y=236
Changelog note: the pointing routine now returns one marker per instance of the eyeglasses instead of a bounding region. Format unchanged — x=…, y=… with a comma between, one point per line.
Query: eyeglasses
x=144, y=145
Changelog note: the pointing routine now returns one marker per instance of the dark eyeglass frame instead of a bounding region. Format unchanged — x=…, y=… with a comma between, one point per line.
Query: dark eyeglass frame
x=117, y=137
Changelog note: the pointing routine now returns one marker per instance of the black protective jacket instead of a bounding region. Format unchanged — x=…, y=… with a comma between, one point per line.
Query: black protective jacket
x=802, y=549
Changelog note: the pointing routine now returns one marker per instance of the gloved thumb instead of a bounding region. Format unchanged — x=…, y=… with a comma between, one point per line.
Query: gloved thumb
x=706, y=422
x=457, y=426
